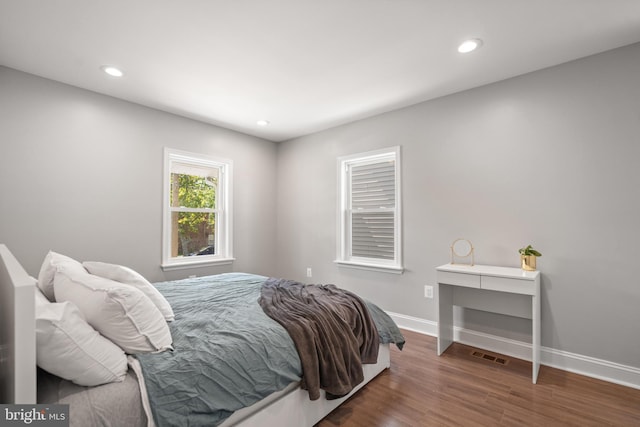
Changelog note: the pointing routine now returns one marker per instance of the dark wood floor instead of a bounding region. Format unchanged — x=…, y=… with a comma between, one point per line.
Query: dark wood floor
x=459, y=389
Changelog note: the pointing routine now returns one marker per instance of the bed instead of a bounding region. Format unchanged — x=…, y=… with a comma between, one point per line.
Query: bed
x=288, y=406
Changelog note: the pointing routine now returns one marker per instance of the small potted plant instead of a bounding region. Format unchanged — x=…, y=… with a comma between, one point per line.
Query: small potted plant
x=528, y=257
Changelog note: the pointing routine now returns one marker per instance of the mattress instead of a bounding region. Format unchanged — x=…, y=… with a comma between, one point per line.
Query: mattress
x=114, y=404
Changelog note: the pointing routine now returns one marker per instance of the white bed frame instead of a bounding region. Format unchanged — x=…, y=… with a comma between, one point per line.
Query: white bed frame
x=17, y=331
x=293, y=407
x=288, y=408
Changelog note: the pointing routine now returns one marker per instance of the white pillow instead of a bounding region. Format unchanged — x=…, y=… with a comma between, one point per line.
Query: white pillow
x=125, y=275
x=120, y=312
x=48, y=270
x=67, y=346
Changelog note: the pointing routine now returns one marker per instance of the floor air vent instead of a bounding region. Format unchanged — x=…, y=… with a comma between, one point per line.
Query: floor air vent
x=490, y=358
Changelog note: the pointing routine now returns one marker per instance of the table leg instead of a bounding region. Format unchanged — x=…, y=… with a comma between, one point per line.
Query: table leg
x=535, y=339
x=445, y=317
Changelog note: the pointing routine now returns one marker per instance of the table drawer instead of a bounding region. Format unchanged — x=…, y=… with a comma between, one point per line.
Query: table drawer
x=459, y=279
x=504, y=284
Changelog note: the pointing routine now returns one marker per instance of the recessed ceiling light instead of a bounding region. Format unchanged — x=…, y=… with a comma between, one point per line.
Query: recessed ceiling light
x=112, y=71
x=469, y=45
x=262, y=122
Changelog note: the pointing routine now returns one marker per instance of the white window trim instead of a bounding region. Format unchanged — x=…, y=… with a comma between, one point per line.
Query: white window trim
x=224, y=240
x=342, y=249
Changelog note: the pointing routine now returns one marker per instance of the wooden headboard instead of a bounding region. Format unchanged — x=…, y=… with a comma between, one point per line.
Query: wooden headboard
x=17, y=331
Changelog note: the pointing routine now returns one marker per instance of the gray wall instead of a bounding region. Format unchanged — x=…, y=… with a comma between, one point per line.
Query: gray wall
x=81, y=174
x=550, y=158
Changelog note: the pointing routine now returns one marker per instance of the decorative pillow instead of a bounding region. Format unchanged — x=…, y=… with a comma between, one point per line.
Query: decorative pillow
x=120, y=312
x=67, y=346
x=125, y=275
x=48, y=271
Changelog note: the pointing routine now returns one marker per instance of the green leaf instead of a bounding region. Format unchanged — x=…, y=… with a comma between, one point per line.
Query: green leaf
x=528, y=250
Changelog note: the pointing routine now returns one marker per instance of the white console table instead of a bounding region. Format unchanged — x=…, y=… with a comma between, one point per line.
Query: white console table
x=503, y=290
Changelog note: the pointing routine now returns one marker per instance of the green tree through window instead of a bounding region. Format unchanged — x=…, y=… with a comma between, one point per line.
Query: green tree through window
x=194, y=225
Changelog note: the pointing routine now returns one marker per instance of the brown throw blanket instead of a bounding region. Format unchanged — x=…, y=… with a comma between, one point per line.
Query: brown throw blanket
x=332, y=331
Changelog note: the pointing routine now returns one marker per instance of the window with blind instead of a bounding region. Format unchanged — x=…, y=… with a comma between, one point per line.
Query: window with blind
x=370, y=220
x=196, y=228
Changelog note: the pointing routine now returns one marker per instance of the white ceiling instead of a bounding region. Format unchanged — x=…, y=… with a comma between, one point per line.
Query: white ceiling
x=304, y=65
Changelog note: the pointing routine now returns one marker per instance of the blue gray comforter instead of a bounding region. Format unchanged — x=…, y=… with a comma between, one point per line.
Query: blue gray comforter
x=228, y=354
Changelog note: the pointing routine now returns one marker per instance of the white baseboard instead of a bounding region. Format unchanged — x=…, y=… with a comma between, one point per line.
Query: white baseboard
x=584, y=365
x=415, y=324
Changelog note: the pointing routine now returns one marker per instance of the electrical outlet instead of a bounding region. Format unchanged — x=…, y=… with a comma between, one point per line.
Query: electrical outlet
x=309, y=272
x=428, y=291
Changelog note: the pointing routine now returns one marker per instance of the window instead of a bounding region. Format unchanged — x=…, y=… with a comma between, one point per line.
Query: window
x=369, y=225
x=197, y=205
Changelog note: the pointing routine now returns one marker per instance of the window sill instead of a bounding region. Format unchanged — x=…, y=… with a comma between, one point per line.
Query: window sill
x=181, y=265
x=371, y=267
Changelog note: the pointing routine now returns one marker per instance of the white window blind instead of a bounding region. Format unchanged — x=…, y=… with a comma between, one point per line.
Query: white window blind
x=369, y=218
x=373, y=202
